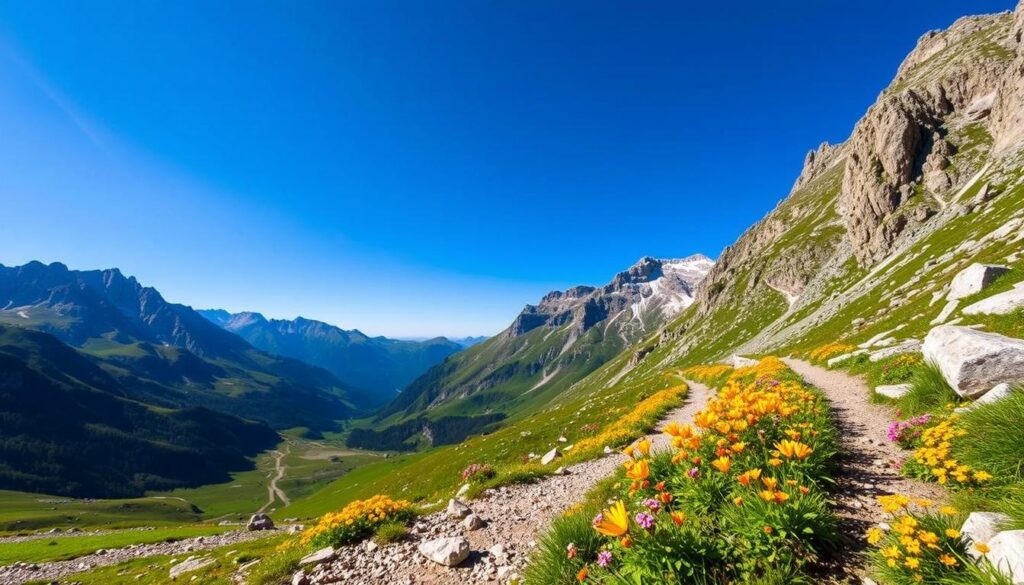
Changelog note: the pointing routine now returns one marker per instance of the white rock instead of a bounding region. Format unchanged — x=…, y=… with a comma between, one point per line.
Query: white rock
x=738, y=361
x=550, y=456
x=462, y=490
x=607, y=450
x=562, y=439
x=997, y=393
x=972, y=361
x=842, y=358
x=973, y=280
x=446, y=551
x=260, y=522
x=300, y=578
x=190, y=564
x=1007, y=554
x=907, y=346
x=982, y=526
x=458, y=510
x=321, y=556
x=946, y=311
x=894, y=391
x=473, y=522
x=1002, y=303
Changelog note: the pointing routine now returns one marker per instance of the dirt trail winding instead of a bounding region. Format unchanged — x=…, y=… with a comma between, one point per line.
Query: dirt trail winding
x=869, y=461
x=516, y=517
x=274, y=492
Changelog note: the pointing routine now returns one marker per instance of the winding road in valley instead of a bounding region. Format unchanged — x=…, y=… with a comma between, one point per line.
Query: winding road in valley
x=273, y=491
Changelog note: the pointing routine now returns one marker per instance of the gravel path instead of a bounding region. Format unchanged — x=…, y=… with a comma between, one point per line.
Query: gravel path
x=516, y=516
x=869, y=461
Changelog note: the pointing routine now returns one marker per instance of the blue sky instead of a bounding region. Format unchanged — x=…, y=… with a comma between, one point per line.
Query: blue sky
x=418, y=168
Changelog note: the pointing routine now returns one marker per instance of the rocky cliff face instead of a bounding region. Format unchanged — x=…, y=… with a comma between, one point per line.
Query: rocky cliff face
x=898, y=170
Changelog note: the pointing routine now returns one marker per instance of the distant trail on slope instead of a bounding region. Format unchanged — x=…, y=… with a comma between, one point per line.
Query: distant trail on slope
x=869, y=462
x=272, y=490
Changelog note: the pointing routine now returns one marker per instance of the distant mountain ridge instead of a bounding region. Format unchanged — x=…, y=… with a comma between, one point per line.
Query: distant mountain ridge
x=166, y=354
x=551, y=345
x=377, y=365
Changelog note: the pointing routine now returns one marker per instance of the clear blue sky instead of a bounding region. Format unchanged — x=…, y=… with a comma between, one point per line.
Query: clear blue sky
x=418, y=168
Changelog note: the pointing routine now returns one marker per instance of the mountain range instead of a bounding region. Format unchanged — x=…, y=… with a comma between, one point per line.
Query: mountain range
x=378, y=365
x=548, y=347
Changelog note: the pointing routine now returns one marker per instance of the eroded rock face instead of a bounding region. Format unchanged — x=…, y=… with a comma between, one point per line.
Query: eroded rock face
x=900, y=145
x=1007, y=119
x=972, y=362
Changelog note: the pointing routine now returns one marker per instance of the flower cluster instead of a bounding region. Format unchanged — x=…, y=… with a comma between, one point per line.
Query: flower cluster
x=900, y=368
x=708, y=374
x=907, y=432
x=636, y=421
x=933, y=458
x=355, y=521
x=750, y=471
x=919, y=544
x=478, y=472
x=823, y=353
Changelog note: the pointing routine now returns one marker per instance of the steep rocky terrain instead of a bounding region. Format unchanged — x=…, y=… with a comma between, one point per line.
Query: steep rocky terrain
x=378, y=365
x=928, y=182
x=553, y=344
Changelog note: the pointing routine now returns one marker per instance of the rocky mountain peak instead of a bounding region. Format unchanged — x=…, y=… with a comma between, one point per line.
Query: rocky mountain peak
x=653, y=290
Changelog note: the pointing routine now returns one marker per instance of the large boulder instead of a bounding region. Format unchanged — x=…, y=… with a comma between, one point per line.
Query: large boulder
x=1007, y=554
x=1003, y=303
x=260, y=522
x=972, y=361
x=973, y=280
x=446, y=551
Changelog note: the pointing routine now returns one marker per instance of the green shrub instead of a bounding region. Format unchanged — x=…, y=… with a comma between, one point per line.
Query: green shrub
x=389, y=532
x=995, y=434
x=928, y=391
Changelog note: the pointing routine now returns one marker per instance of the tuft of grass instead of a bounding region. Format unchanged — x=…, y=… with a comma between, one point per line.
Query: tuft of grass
x=929, y=391
x=276, y=567
x=389, y=532
x=549, y=563
x=994, y=431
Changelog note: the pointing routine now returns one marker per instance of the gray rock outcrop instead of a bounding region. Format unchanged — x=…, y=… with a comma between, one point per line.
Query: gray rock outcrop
x=972, y=362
